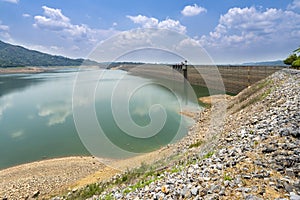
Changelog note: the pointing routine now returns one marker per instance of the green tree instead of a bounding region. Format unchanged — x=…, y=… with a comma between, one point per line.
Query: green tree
x=289, y=60
x=296, y=63
x=293, y=59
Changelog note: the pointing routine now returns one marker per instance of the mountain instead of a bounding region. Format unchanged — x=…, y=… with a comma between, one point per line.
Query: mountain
x=17, y=56
x=267, y=63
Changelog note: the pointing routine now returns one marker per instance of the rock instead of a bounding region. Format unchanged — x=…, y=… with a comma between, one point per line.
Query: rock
x=194, y=191
x=165, y=189
x=288, y=187
x=36, y=194
x=185, y=193
x=289, y=172
x=252, y=197
x=294, y=196
x=268, y=150
x=245, y=176
x=212, y=197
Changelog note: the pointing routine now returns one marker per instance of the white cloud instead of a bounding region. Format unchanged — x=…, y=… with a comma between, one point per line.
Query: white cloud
x=192, y=10
x=3, y=28
x=67, y=35
x=294, y=5
x=150, y=22
x=11, y=1
x=54, y=20
x=26, y=15
x=4, y=32
x=254, y=31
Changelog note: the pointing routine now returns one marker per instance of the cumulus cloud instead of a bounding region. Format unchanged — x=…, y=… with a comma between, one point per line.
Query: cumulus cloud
x=4, y=31
x=54, y=20
x=192, y=10
x=244, y=25
x=11, y=1
x=294, y=5
x=151, y=22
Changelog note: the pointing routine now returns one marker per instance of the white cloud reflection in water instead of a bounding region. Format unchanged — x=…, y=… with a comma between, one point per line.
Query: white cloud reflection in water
x=5, y=103
x=56, y=112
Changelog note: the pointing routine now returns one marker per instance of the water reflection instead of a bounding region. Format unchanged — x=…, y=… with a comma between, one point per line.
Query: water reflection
x=55, y=112
x=13, y=83
x=17, y=134
x=36, y=115
x=5, y=103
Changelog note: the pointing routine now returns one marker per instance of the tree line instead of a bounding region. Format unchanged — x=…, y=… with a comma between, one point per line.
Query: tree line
x=293, y=59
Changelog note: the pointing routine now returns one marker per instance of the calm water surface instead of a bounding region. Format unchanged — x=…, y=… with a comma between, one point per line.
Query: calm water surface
x=36, y=118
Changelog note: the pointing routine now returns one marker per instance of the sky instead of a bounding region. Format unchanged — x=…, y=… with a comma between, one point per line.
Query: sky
x=231, y=32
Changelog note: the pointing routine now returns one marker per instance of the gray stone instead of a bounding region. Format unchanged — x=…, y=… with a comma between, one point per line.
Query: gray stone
x=252, y=197
x=288, y=187
x=194, y=191
x=289, y=172
x=294, y=196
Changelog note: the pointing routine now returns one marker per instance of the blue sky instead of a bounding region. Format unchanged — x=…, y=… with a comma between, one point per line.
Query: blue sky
x=234, y=31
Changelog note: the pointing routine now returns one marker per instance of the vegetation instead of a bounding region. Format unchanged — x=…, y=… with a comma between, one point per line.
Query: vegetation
x=17, y=56
x=293, y=59
x=209, y=154
x=196, y=144
x=227, y=178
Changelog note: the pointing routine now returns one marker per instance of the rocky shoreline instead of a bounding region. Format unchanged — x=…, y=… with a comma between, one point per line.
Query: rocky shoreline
x=256, y=155
x=251, y=151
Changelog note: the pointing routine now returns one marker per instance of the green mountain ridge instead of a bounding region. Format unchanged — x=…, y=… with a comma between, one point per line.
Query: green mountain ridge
x=18, y=56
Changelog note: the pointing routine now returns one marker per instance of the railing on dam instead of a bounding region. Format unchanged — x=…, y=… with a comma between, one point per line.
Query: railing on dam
x=234, y=78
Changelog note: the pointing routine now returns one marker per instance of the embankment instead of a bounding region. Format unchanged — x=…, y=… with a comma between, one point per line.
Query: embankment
x=254, y=155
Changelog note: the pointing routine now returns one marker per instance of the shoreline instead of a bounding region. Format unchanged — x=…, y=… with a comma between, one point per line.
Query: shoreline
x=70, y=173
x=46, y=176
x=23, y=70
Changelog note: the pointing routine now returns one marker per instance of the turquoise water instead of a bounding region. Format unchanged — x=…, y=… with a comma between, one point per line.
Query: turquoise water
x=36, y=116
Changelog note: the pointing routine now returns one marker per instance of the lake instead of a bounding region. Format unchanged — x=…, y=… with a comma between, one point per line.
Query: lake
x=37, y=115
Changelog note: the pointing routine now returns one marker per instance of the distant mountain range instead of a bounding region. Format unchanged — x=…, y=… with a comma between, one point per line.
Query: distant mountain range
x=17, y=56
x=266, y=63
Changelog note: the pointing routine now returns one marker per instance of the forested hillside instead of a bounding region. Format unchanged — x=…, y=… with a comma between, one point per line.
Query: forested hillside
x=17, y=56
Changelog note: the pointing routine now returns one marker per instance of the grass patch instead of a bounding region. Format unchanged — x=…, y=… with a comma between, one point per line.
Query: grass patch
x=209, y=154
x=265, y=94
x=196, y=144
x=138, y=185
x=88, y=191
x=227, y=178
x=255, y=89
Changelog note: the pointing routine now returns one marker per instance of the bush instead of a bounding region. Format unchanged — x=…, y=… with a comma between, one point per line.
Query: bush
x=296, y=63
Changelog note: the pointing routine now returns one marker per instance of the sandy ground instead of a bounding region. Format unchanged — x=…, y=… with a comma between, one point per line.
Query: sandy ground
x=13, y=70
x=56, y=175
x=45, y=176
